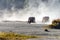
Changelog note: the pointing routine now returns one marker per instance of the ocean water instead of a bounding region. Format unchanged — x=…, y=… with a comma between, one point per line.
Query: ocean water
x=21, y=10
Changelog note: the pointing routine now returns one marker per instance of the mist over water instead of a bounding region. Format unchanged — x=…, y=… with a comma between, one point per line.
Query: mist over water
x=21, y=10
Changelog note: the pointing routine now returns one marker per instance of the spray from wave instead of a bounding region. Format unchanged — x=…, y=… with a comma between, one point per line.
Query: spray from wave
x=16, y=10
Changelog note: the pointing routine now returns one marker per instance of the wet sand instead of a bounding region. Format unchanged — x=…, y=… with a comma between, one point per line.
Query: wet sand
x=30, y=29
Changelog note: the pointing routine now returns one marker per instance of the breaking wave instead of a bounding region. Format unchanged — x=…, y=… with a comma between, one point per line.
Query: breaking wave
x=21, y=10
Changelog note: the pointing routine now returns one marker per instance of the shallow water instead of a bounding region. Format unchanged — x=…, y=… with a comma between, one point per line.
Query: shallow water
x=24, y=27
x=30, y=29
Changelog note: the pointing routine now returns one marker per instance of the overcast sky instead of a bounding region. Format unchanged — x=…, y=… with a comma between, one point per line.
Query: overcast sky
x=9, y=3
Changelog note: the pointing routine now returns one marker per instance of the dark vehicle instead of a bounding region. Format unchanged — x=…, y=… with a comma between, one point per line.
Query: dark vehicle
x=45, y=19
x=31, y=20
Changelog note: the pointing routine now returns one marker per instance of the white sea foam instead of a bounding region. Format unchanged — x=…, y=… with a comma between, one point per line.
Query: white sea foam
x=35, y=8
